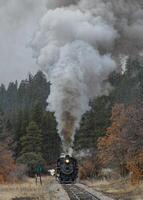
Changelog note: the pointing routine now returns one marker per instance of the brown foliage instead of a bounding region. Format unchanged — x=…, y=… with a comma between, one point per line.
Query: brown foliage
x=113, y=146
x=123, y=144
x=86, y=169
x=7, y=164
x=136, y=172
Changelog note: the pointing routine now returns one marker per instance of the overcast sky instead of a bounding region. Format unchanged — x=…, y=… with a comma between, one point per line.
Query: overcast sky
x=18, y=21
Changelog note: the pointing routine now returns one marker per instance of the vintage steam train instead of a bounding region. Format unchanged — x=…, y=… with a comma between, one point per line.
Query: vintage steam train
x=67, y=169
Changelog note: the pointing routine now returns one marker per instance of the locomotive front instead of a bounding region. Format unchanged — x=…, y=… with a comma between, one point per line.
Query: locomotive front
x=67, y=169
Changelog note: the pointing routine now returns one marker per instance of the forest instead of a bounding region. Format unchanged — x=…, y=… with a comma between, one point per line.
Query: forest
x=110, y=134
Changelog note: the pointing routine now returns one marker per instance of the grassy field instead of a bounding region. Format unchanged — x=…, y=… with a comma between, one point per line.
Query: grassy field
x=118, y=189
x=25, y=191
x=51, y=190
x=28, y=190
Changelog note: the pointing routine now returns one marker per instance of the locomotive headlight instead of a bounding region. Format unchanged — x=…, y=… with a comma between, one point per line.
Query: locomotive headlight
x=67, y=161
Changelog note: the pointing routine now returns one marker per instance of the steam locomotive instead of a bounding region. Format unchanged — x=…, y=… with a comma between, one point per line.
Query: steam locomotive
x=67, y=170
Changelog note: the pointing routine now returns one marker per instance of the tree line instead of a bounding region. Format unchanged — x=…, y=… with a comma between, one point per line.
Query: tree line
x=27, y=129
x=111, y=130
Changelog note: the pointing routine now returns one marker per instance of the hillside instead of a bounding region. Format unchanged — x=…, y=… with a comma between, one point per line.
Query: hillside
x=27, y=130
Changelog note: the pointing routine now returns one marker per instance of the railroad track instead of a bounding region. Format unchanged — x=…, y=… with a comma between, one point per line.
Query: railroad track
x=77, y=193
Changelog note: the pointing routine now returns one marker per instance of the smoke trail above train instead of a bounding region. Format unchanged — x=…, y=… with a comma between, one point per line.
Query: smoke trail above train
x=77, y=44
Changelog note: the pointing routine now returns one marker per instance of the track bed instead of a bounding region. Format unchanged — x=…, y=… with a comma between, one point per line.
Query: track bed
x=77, y=193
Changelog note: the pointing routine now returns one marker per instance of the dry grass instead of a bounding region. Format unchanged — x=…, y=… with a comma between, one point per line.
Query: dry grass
x=25, y=190
x=28, y=190
x=118, y=189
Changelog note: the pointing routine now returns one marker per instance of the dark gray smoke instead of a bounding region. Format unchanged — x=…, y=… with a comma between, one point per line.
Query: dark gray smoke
x=76, y=44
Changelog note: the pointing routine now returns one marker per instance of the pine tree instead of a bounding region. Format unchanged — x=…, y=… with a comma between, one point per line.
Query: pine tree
x=37, y=113
x=51, y=140
x=22, y=121
x=31, y=148
x=94, y=123
x=32, y=140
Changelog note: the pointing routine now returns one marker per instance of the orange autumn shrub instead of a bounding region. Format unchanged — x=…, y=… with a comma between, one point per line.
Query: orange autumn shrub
x=135, y=166
x=7, y=164
x=136, y=172
x=1, y=178
x=122, y=146
x=112, y=147
x=86, y=169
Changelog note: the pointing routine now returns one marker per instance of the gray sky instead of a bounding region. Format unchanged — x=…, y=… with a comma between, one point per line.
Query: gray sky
x=18, y=21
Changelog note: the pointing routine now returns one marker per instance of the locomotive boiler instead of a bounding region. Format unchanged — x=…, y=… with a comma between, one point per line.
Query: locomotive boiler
x=67, y=170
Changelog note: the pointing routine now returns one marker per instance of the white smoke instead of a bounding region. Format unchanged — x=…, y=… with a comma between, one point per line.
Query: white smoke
x=75, y=45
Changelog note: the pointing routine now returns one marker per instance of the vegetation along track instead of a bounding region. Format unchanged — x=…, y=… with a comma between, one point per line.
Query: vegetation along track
x=77, y=193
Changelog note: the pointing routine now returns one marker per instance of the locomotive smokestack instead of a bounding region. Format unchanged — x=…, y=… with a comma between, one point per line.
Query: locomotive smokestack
x=75, y=44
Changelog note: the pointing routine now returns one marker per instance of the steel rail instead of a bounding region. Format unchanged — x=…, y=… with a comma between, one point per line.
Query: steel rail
x=77, y=193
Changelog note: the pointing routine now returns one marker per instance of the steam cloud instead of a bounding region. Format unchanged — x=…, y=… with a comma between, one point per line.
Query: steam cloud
x=75, y=45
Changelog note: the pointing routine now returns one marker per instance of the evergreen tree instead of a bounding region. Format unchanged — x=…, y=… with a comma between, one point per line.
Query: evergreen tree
x=51, y=140
x=1, y=122
x=94, y=123
x=32, y=140
x=22, y=121
x=39, y=89
x=37, y=113
x=31, y=148
x=2, y=97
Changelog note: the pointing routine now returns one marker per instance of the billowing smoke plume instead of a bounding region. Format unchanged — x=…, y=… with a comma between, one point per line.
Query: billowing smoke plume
x=75, y=45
